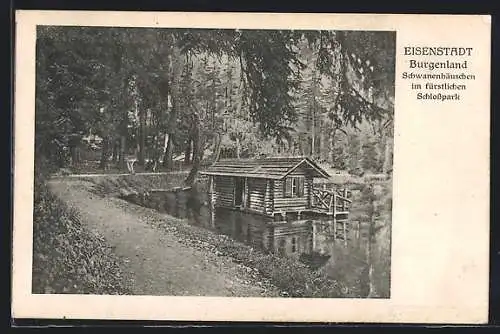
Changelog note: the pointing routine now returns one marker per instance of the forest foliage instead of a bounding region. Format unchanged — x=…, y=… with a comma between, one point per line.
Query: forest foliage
x=208, y=94
x=198, y=95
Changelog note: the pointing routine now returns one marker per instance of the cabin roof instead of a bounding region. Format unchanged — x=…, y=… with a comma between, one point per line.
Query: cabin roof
x=266, y=168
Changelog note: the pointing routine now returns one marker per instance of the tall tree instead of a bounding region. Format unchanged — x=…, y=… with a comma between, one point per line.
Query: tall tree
x=94, y=67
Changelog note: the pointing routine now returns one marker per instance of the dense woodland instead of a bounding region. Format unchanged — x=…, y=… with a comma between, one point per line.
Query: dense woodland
x=202, y=95
x=195, y=96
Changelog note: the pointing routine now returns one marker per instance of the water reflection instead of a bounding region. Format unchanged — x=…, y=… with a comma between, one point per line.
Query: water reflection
x=338, y=249
x=316, y=242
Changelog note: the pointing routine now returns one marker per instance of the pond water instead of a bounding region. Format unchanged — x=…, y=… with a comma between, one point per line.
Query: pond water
x=340, y=251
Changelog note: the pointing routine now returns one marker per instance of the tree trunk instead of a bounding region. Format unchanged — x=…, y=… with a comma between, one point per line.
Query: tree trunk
x=116, y=147
x=74, y=157
x=164, y=150
x=313, y=135
x=137, y=148
x=105, y=153
x=313, y=118
x=217, y=149
x=331, y=145
x=237, y=147
x=78, y=154
x=303, y=144
x=142, y=137
x=123, y=151
x=386, y=166
x=73, y=143
x=371, y=239
x=176, y=63
x=154, y=154
x=169, y=151
x=322, y=143
x=187, y=152
x=197, y=153
x=369, y=251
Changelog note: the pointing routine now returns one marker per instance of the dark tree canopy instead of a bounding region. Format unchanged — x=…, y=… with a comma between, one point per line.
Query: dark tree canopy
x=87, y=76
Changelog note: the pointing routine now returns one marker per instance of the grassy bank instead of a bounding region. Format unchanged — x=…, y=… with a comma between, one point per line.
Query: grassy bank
x=111, y=185
x=67, y=258
x=288, y=274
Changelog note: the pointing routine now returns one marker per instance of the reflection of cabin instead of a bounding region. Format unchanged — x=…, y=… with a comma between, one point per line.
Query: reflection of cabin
x=272, y=186
x=292, y=240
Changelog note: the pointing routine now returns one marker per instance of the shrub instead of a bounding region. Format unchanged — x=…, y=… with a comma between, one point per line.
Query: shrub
x=67, y=258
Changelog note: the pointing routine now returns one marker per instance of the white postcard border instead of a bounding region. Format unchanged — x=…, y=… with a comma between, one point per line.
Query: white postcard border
x=435, y=278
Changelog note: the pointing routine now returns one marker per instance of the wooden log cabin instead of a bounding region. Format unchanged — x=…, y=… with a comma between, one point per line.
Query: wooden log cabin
x=269, y=186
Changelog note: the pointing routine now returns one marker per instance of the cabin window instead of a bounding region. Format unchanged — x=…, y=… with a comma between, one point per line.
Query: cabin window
x=294, y=187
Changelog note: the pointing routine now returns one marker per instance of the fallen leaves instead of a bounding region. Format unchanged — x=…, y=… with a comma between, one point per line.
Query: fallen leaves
x=67, y=258
x=268, y=271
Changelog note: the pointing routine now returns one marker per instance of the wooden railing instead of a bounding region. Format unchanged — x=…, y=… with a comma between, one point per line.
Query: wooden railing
x=330, y=201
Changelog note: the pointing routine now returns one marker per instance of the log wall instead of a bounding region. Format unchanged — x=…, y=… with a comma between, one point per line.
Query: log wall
x=223, y=195
x=282, y=203
x=263, y=196
x=269, y=197
x=256, y=194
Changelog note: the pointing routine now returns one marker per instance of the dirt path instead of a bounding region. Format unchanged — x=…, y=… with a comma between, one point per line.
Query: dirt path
x=156, y=262
x=90, y=175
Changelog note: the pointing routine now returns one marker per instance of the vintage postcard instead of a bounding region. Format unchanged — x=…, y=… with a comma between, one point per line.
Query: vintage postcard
x=251, y=167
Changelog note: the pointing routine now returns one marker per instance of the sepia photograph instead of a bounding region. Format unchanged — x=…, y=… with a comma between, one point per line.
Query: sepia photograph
x=268, y=167
x=213, y=162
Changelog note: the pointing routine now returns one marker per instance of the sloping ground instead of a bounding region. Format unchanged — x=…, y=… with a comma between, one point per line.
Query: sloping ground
x=157, y=261
x=67, y=258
